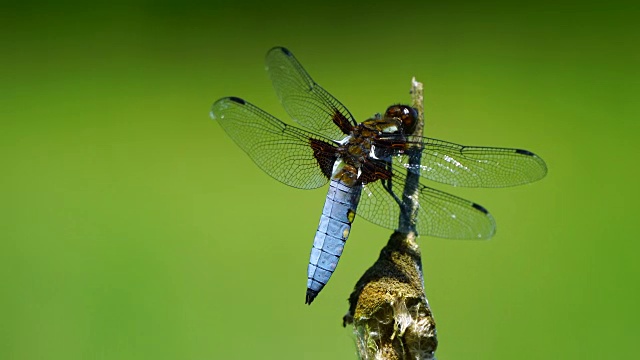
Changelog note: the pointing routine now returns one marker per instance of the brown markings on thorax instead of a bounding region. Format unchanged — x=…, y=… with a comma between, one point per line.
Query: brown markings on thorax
x=355, y=152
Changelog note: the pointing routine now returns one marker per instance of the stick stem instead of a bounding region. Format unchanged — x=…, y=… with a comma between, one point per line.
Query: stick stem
x=388, y=307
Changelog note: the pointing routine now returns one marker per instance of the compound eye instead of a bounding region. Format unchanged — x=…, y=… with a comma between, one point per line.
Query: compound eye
x=406, y=114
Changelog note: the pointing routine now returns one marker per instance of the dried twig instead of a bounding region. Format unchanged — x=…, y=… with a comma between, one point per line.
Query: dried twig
x=388, y=307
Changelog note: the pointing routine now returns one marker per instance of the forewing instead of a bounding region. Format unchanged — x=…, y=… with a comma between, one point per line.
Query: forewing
x=290, y=155
x=440, y=214
x=305, y=101
x=474, y=166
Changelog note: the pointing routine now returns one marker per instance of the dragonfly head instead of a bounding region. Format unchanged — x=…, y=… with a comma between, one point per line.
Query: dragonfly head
x=407, y=115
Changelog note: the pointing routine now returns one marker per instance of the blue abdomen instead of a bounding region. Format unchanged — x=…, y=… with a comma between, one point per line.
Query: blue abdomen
x=335, y=225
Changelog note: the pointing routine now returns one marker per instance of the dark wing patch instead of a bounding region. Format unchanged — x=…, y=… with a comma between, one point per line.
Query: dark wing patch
x=342, y=122
x=374, y=170
x=325, y=155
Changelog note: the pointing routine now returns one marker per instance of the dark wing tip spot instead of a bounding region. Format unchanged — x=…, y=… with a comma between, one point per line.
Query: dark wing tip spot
x=286, y=51
x=480, y=208
x=525, y=152
x=311, y=295
x=237, y=100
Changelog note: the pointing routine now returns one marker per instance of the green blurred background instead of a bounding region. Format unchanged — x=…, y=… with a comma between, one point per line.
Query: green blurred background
x=132, y=227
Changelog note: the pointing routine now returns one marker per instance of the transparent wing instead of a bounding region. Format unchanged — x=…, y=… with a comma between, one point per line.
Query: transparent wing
x=282, y=151
x=473, y=166
x=305, y=101
x=440, y=214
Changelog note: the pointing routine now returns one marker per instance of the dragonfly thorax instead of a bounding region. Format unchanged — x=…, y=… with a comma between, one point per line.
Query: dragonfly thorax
x=356, y=148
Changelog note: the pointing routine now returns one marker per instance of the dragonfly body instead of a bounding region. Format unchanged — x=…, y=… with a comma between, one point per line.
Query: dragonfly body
x=356, y=164
x=365, y=164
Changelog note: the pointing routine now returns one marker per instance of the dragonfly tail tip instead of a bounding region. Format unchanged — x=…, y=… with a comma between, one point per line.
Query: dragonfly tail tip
x=311, y=295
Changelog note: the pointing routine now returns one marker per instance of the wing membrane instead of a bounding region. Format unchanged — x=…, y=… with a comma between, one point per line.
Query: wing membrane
x=440, y=214
x=281, y=150
x=305, y=101
x=473, y=166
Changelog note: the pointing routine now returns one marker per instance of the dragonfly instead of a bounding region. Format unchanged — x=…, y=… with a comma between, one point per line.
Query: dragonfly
x=366, y=164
